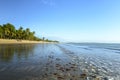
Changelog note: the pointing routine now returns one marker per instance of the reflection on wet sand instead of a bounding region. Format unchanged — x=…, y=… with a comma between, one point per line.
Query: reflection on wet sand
x=7, y=52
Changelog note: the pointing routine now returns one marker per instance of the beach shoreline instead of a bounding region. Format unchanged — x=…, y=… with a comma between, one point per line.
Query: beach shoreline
x=14, y=41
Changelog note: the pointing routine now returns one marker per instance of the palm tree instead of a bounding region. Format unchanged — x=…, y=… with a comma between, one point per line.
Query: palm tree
x=31, y=35
x=1, y=31
x=6, y=31
x=11, y=29
x=27, y=33
x=20, y=31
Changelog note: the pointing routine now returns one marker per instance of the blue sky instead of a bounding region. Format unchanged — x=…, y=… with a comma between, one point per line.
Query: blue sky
x=66, y=20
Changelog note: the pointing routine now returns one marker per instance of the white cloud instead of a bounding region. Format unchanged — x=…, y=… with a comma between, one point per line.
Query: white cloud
x=48, y=2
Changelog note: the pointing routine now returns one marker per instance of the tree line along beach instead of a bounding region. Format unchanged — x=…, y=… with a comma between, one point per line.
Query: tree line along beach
x=9, y=34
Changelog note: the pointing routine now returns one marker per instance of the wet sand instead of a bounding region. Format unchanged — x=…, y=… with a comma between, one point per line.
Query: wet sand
x=60, y=62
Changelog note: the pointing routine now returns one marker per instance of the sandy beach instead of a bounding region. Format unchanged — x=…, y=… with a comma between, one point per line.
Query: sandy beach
x=14, y=41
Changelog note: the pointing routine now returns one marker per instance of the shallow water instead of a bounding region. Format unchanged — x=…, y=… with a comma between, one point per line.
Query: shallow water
x=60, y=62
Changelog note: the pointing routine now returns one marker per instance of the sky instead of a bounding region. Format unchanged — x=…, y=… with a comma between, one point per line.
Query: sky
x=65, y=20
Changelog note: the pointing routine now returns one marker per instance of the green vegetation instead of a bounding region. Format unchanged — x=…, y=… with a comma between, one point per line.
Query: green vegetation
x=8, y=31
